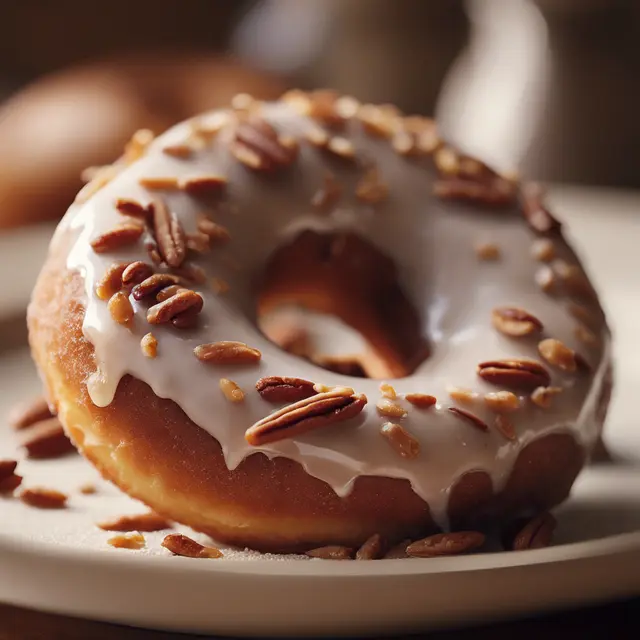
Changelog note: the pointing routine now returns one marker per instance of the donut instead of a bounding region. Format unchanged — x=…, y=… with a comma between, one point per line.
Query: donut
x=487, y=371
x=54, y=128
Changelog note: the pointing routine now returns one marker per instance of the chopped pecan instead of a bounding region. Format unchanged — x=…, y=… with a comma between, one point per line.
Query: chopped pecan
x=43, y=498
x=7, y=468
x=558, y=354
x=505, y=427
x=573, y=279
x=387, y=407
x=502, y=401
x=543, y=396
x=537, y=533
x=546, y=279
x=320, y=410
x=135, y=273
x=420, y=400
x=133, y=541
x=398, y=551
x=120, y=236
x=160, y=183
x=543, y=250
x=534, y=211
x=214, y=231
x=198, y=242
x=167, y=292
x=46, y=439
x=178, y=150
x=404, y=143
x=111, y=282
x=446, y=544
x=181, y=545
x=258, y=146
x=331, y=552
x=470, y=418
x=328, y=196
x=27, y=413
x=231, y=390
x=147, y=522
x=204, y=185
x=153, y=284
x=463, y=396
x=149, y=345
x=220, y=286
x=388, y=390
x=401, y=440
x=284, y=389
x=514, y=373
x=586, y=336
x=497, y=192
x=169, y=234
x=515, y=322
x=133, y=208
x=377, y=120
x=227, y=352
x=137, y=146
x=373, y=548
x=370, y=188
x=187, y=319
x=164, y=312
x=88, y=489
x=120, y=308
x=9, y=480
x=487, y=251
x=341, y=147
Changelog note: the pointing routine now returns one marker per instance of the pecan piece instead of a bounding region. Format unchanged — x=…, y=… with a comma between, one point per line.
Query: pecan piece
x=373, y=549
x=227, y=352
x=9, y=480
x=370, y=188
x=133, y=208
x=135, y=273
x=139, y=522
x=284, y=389
x=537, y=533
x=27, y=413
x=204, y=185
x=320, y=410
x=502, y=401
x=398, y=551
x=446, y=544
x=153, y=284
x=232, y=392
x=149, y=345
x=46, y=439
x=258, y=146
x=167, y=292
x=177, y=304
x=515, y=322
x=331, y=552
x=169, y=234
x=120, y=308
x=133, y=541
x=401, y=440
x=518, y=374
x=469, y=417
x=111, y=282
x=534, y=211
x=43, y=498
x=215, y=232
x=558, y=354
x=387, y=407
x=497, y=192
x=181, y=545
x=420, y=400
x=505, y=427
x=543, y=396
x=120, y=236
x=328, y=195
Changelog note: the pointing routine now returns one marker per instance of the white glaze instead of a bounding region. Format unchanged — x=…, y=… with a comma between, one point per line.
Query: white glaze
x=431, y=242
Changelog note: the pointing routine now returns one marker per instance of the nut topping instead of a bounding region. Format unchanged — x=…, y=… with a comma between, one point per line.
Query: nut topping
x=149, y=345
x=227, y=352
x=401, y=440
x=497, y=192
x=177, y=304
x=470, y=418
x=160, y=183
x=120, y=308
x=232, y=392
x=463, y=396
x=133, y=541
x=420, y=400
x=515, y=322
x=558, y=354
x=370, y=188
x=132, y=208
x=43, y=498
x=320, y=410
x=502, y=401
x=586, y=336
x=543, y=250
x=504, y=425
x=446, y=544
x=386, y=407
x=372, y=549
x=120, y=236
x=543, y=396
x=533, y=209
x=140, y=522
x=332, y=552
x=153, y=284
x=388, y=391
x=46, y=439
x=513, y=373
x=257, y=145
x=27, y=413
x=9, y=480
x=328, y=196
x=169, y=234
x=487, y=251
x=536, y=534
x=111, y=281
x=135, y=273
x=178, y=150
x=282, y=389
x=214, y=231
x=204, y=185
x=341, y=147
x=181, y=545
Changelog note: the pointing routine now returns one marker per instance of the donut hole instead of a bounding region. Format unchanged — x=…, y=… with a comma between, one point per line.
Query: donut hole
x=335, y=299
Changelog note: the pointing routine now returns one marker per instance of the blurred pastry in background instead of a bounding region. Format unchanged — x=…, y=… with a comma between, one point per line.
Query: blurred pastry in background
x=83, y=116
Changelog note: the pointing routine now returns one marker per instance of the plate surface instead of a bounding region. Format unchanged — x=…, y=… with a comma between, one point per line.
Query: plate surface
x=60, y=561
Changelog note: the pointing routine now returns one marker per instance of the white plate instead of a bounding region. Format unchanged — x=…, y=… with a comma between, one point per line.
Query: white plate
x=60, y=561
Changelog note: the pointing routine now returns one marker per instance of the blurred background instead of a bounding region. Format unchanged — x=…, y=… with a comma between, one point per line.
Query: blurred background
x=548, y=87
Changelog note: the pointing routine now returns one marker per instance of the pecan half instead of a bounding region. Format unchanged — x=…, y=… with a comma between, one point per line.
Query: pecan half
x=135, y=273
x=514, y=373
x=227, y=352
x=177, y=304
x=284, y=389
x=43, y=498
x=534, y=211
x=536, y=534
x=46, y=439
x=372, y=549
x=169, y=234
x=446, y=544
x=515, y=322
x=258, y=146
x=181, y=545
x=120, y=236
x=139, y=522
x=469, y=417
x=420, y=400
x=401, y=440
x=27, y=413
x=331, y=552
x=153, y=284
x=320, y=410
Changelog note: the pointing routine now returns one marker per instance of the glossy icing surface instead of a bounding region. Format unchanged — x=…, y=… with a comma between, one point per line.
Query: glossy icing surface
x=432, y=244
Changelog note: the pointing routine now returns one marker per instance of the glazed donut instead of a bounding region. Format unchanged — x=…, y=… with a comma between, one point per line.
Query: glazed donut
x=488, y=353
x=82, y=116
